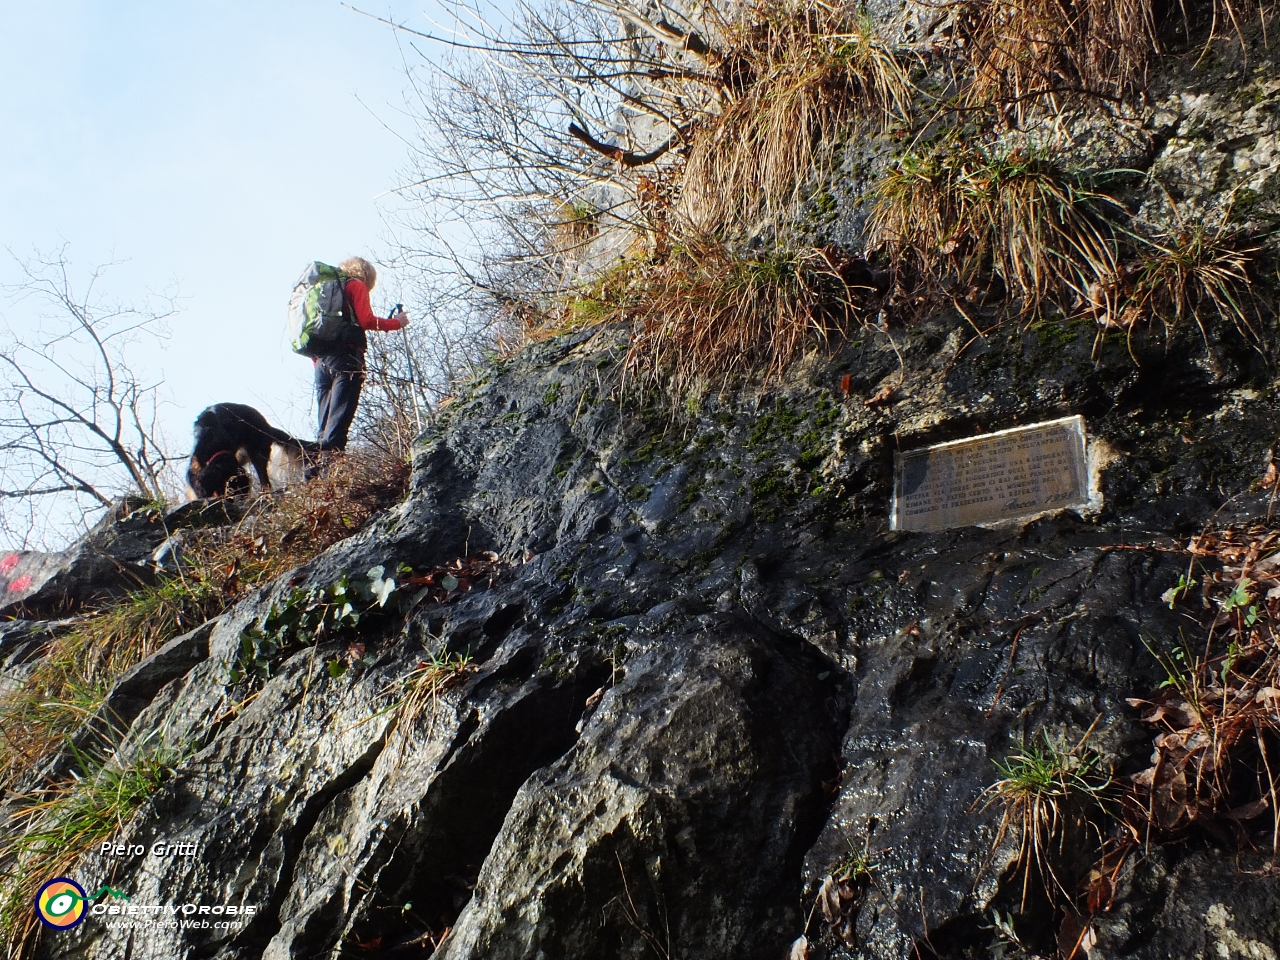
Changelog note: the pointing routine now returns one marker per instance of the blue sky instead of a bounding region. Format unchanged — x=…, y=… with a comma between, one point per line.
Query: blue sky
x=216, y=147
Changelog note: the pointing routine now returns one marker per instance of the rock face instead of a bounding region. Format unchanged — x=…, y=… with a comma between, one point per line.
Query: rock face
x=707, y=672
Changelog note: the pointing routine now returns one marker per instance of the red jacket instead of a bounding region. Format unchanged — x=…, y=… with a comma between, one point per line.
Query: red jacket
x=358, y=300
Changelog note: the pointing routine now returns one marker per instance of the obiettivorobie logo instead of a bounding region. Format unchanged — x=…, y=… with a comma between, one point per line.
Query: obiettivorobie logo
x=61, y=902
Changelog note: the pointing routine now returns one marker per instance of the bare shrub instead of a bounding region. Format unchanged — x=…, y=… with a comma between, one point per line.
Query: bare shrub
x=78, y=424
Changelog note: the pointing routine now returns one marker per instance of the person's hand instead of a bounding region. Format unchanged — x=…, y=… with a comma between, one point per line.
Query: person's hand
x=401, y=316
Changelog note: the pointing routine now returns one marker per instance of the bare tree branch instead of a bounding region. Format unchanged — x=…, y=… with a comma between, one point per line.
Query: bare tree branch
x=77, y=423
x=624, y=157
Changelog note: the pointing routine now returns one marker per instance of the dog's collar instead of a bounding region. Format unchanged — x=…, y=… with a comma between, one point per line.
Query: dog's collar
x=220, y=453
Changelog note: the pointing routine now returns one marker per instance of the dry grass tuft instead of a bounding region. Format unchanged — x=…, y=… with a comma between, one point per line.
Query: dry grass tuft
x=421, y=688
x=1202, y=266
x=48, y=832
x=1028, y=51
x=78, y=667
x=958, y=215
x=816, y=76
x=705, y=315
x=1023, y=50
x=1046, y=790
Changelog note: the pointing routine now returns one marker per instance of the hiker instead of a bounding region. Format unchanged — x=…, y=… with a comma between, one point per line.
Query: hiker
x=339, y=362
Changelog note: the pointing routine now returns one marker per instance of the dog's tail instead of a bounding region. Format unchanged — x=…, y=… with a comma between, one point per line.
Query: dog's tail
x=287, y=440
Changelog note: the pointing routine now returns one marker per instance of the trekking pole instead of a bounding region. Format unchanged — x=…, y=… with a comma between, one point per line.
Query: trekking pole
x=413, y=375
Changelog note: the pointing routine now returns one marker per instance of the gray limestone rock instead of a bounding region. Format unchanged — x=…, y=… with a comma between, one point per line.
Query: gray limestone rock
x=707, y=674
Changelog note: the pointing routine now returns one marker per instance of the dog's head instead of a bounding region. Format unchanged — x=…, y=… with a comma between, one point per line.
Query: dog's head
x=219, y=476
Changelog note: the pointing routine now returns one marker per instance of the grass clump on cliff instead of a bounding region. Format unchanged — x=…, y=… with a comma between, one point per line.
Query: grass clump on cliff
x=78, y=667
x=1046, y=790
x=1027, y=52
x=1200, y=267
x=805, y=77
x=1026, y=49
x=959, y=216
x=421, y=688
x=49, y=831
x=704, y=315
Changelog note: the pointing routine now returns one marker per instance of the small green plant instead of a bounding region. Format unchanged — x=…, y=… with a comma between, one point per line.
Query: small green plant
x=310, y=615
x=1179, y=590
x=1045, y=789
x=1008, y=945
x=1183, y=672
x=1240, y=600
x=855, y=866
x=581, y=211
x=424, y=685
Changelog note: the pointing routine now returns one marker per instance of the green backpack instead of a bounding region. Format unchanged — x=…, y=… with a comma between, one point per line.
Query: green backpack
x=317, y=315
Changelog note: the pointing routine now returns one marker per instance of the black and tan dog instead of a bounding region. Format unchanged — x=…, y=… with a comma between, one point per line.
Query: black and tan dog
x=230, y=437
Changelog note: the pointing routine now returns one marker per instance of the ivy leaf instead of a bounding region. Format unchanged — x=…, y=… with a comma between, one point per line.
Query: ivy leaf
x=382, y=590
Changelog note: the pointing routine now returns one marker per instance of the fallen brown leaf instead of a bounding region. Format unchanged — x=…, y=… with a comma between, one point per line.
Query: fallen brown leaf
x=882, y=397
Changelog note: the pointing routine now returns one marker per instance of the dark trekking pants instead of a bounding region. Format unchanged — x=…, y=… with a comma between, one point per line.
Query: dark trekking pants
x=339, y=378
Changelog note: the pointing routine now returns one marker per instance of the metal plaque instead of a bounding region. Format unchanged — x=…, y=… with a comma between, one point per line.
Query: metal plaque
x=995, y=476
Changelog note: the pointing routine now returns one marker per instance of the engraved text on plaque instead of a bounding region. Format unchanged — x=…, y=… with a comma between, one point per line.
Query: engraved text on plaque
x=994, y=476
